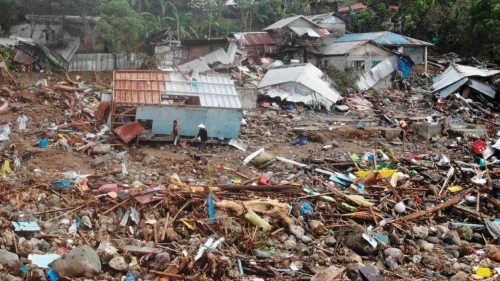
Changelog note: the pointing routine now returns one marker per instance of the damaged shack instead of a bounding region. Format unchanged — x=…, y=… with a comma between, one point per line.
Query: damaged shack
x=468, y=80
x=299, y=84
x=155, y=99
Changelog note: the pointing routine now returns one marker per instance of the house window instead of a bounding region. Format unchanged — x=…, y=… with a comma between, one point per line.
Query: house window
x=375, y=62
x=359, y=64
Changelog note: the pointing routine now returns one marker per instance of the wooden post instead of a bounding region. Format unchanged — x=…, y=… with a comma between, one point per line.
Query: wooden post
x=425, y=59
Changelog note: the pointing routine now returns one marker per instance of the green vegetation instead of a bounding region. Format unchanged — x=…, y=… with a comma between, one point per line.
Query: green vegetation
x=343, y=80
x=467, y=27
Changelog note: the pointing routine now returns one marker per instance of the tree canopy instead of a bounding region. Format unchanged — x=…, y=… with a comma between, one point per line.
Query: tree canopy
x=467, y=27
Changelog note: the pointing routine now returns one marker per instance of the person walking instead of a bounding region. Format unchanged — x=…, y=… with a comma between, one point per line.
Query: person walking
x=202, y=136
x=176, y=131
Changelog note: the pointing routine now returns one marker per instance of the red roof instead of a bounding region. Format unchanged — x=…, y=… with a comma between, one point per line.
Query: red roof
x=256, y=38
x=354, y=7
x=138, y=86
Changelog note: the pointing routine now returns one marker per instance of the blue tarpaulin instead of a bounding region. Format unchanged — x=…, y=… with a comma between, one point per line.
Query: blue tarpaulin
x=404, y=67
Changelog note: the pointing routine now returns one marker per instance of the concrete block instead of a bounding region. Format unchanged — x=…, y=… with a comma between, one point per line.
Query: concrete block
x=391, y=133
x=428, y=130
x=468, y=130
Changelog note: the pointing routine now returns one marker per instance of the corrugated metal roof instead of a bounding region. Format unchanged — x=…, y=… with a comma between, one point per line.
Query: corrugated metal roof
x=447, y=82
x=340, y=48
x=138, y=86
x=286, y=21
x=306, y=74
x=213, y=90
x=254, y=38
x=151, y=87
x=369, y=78
x=383, y=38
x=328, y=17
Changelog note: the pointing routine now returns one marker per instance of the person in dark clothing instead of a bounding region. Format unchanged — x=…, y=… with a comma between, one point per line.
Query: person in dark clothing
x=202, y=136
x=176, y=130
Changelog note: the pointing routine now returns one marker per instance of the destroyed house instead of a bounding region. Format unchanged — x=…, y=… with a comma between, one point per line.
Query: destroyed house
x=467, y=80
x=155, y=99
x=362, y=55
x=416, y=49
x=303, y=83
x=286, y=30
x=328, y=21
x=254, y=43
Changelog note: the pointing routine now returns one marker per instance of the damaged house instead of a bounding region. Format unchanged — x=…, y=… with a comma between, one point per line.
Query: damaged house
x=362, y=55
x=299, y=84
x=414, y=48
x=154, y=99
x=295, y=36
x=328, y=21
x=468, y=81
x=254, y=43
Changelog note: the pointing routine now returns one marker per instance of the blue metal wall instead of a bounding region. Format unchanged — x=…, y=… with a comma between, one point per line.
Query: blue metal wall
x=220, y=122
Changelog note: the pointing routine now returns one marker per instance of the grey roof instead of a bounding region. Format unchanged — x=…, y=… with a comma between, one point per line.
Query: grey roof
x=286, y=21
x=457, y=75
x=340, y=48
x=321, y=17
x=213, y=90
x=307, y=75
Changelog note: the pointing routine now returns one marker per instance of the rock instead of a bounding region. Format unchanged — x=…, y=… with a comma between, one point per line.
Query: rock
x=6, y=257
x=290, y=244
x=148, y=159
x=441, y=229
x=425, y=246
x=358, y=244
x=330, y=241
x=107, y=248
x=391, y=263
x=466, y=249
x=477, y=238
x=393, y=252
x=486, y=263
x=82, y=261
x=297, y=231
x=466, y=233
x=451, y=237
x=8, y=237
x=353, y=257
x=433, y=240
x=86, y=221
x=416, y=259
x=335, y=143
x=118, y=263
x=306, y=239
x=460, y=276
x=420, y=231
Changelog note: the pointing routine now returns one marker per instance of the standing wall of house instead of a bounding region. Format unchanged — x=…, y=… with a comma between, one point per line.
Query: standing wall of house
x=415, y=53
x=369, y=53
x=220, y=122
x=339, y=62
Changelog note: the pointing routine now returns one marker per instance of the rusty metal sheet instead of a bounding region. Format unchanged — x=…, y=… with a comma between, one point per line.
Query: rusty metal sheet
x=129, y=131
x=256, y=38
x=101, y=110
x=139, y=87
x=23, y=58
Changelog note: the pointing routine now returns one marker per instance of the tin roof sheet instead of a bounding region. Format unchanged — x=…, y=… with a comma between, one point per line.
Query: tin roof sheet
x=340, y=48
x=306, y=74
x=286, y=21
x=383, y=38
x=254, y=38
x=138, y=86
x=213, y=90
